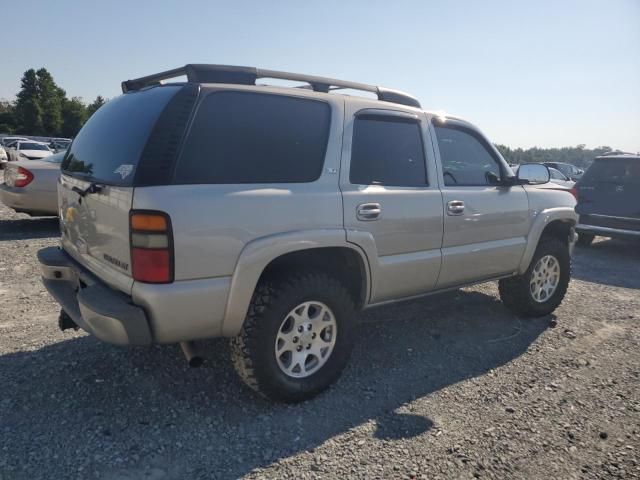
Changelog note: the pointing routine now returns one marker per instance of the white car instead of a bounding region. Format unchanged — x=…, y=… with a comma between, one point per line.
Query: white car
x=30, y=186
x=7, y=141
x=30, y=150
x=4, y=158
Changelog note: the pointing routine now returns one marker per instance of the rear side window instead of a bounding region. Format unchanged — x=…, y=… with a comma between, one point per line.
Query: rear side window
x=466, y=161
x=243, y=137
x=615, y=171
x=108, y=147
x=387, y=151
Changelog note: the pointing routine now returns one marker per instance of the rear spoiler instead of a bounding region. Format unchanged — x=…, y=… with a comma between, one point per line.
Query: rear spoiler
x=205, y=73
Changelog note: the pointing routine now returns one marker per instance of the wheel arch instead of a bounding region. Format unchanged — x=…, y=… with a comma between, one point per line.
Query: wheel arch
x=322, y=250
x=557, y=222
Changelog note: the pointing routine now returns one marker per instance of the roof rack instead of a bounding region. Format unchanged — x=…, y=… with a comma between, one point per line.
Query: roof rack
x=204, y=73
x=617, y=153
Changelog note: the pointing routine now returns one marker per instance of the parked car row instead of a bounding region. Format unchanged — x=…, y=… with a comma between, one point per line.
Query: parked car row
x=20, y=148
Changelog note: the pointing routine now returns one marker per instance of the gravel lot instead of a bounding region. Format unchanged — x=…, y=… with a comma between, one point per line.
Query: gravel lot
x=453, y=386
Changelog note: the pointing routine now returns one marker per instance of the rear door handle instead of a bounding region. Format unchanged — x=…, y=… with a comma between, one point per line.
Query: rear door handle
x=455, y=207
x=368, y=212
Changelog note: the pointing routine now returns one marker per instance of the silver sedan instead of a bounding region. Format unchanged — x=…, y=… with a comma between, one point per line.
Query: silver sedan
x=31, y=185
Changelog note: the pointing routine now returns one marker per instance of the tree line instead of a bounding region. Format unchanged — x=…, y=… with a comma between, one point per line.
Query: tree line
x=42, y=108
x=580, y=156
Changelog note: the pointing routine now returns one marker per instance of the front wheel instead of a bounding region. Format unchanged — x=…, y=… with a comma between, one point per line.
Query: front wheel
x=540, y=290
x=297, y=337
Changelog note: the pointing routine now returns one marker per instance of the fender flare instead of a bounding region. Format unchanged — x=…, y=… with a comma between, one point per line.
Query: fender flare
x=259, y=253
x=541, y=221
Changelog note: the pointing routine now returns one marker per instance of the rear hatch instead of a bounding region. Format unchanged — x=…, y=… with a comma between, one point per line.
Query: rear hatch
x=99, y=174
x=609, y=194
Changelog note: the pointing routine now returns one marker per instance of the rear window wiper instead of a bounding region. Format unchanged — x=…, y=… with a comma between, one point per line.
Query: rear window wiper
x=92, y=188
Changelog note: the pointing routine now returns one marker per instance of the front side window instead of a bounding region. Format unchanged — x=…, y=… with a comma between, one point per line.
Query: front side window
x=466, y=160
x=243, y=137
x=387, y=151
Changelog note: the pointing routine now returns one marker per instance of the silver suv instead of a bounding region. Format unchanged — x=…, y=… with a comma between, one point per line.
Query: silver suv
x=274, y=215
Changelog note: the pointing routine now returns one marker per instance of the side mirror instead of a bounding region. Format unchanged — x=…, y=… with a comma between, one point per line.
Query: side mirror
x=533, y=174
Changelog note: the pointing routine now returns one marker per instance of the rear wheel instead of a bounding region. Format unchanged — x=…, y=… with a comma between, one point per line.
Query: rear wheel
x=297, y=337
x=540, y=290
x=585, y=239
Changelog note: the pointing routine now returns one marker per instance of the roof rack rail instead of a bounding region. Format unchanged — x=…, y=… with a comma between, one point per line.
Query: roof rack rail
x=612, y=153
x=204, y=73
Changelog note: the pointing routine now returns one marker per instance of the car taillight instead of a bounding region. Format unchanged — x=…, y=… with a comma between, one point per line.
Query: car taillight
x=574, y=192
x=18, y=177
x=151, y=247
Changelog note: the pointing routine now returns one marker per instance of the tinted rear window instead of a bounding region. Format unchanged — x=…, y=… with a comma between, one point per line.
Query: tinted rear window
x=618, y=171
x=108, y=147
x=241, y=137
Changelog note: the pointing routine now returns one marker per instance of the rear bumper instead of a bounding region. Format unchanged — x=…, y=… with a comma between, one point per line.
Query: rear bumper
x=607, y=231
x=163, y=313
x=93, y=306
x=26, y=200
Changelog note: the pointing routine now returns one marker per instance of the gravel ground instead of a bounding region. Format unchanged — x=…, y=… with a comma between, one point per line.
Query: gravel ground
x=453, y=386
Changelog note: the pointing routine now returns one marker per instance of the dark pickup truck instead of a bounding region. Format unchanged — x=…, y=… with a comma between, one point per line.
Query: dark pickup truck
x=609, y=198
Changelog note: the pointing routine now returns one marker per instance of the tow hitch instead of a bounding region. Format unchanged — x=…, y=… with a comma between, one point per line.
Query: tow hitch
x=65, y=322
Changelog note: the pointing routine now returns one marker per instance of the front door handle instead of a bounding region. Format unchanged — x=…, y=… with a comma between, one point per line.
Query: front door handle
x=367, y=212
x=455, y=207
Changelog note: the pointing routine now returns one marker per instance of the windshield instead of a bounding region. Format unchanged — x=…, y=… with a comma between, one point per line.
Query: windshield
x=618, y=171
x=31, y=146
x=557, y=174
x=56, y=158
x=108, y=147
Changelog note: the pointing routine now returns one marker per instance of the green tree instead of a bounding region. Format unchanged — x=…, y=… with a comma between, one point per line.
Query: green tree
x=97, y=103
x=50, y=98
x=28, y=111
x=74, y=114
x=7, y=117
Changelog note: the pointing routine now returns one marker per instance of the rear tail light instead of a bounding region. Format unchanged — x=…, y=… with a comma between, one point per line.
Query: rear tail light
x=151, y=247
x=18, y=177
x=574, y=192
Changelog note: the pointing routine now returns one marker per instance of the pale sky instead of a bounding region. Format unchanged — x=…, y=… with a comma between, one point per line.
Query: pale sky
x=528, y=73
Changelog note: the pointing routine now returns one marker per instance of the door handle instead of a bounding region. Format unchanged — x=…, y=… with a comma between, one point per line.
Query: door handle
x=368, y=211
x=455, y=207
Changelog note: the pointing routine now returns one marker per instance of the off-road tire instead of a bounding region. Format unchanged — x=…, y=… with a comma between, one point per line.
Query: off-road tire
x=253, y=349
x=515, y=292
x=585, y=239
